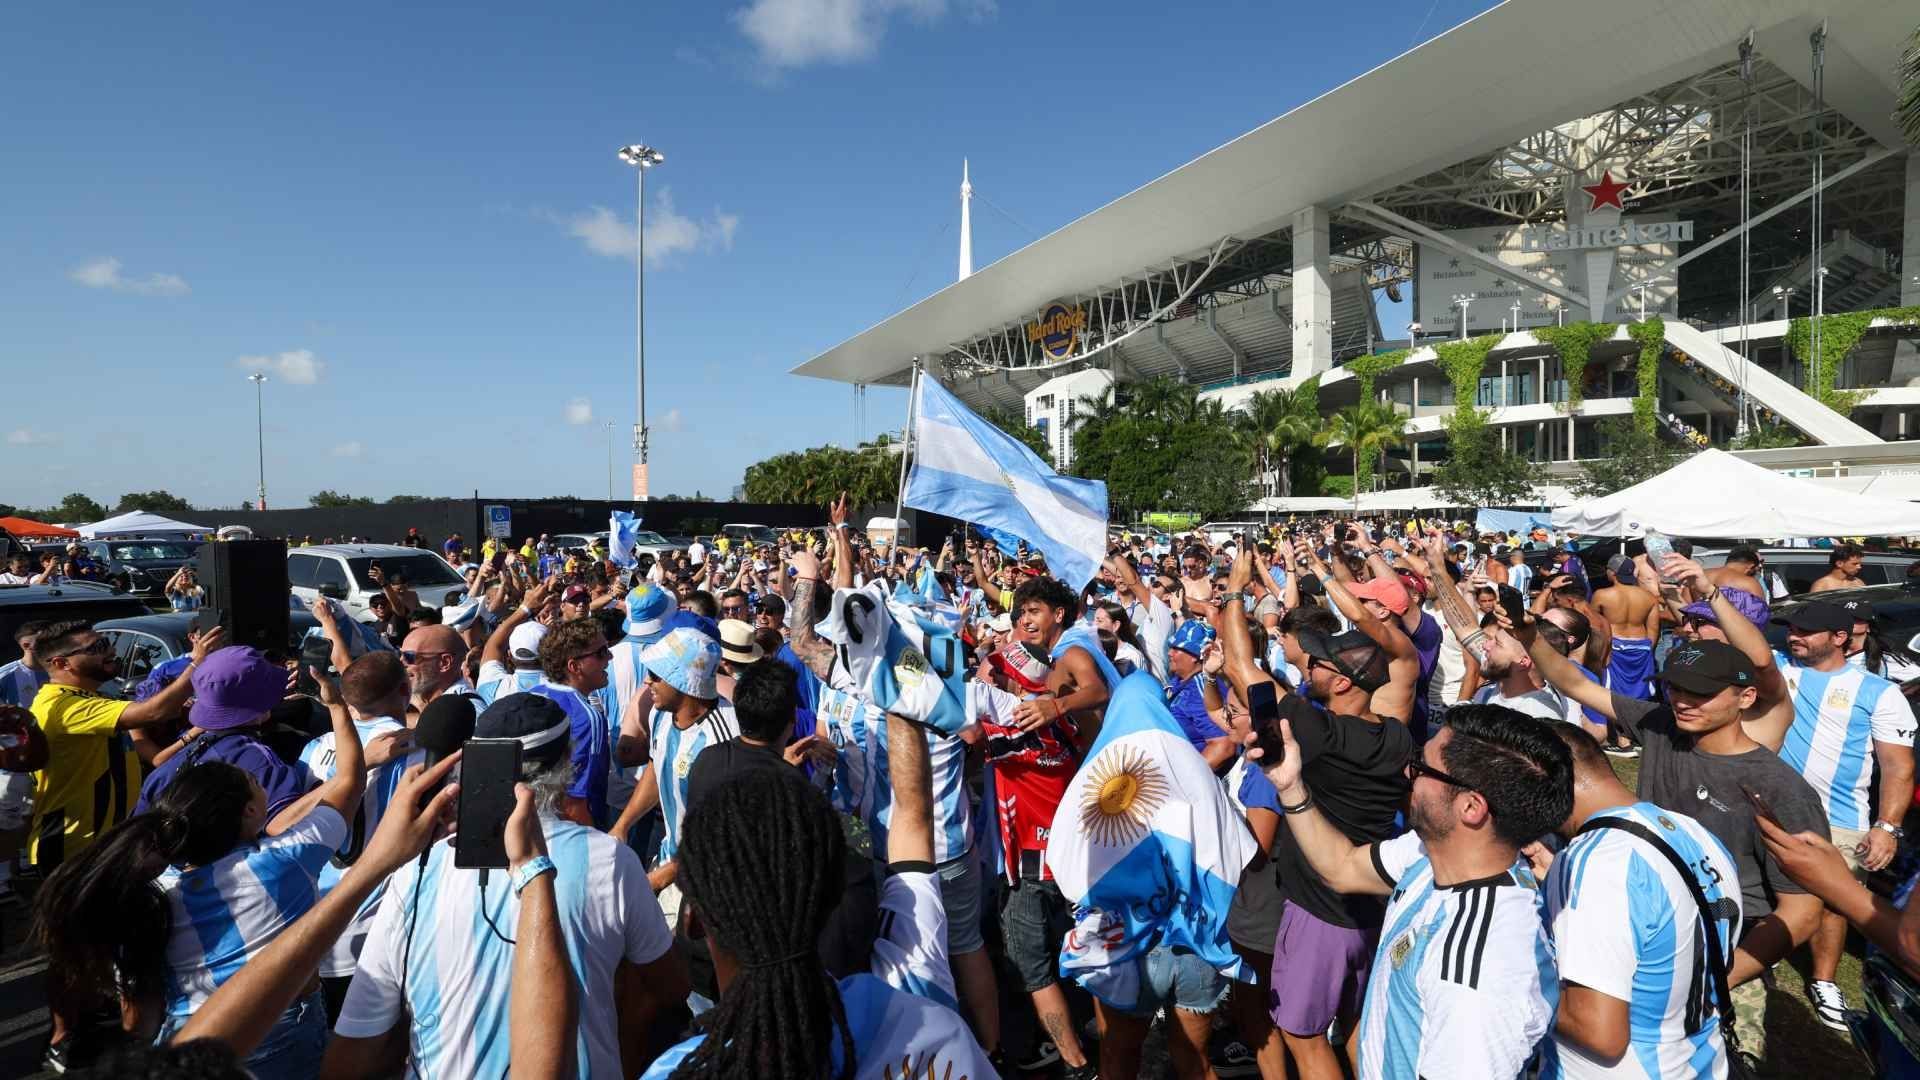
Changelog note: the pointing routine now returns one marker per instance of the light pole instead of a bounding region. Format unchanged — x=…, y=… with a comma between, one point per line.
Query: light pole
x=609, y=426
x=259, y=380
x=1463, y=301
x=642, y=158
x=1516, y=316
x=1784, y=294
x=1641, y=289
x=1413, y=335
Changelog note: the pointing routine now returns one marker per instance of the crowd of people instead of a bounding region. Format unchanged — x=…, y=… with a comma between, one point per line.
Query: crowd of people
x=828, y=807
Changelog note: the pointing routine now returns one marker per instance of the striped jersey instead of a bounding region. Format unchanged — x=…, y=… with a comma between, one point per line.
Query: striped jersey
x=673, y=750
x=1625, y=924
x=1463, y=983
x=946, y=760
x=18, y=684
x=1837, y=717
x=590, y=739
x=382, y=781
x=497, y=680
x=457, y=971
x=910, y=947
x=626, y=677
x=228, y=910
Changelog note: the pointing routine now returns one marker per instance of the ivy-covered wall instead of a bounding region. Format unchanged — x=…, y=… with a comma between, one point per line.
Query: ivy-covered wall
x=1838, y=335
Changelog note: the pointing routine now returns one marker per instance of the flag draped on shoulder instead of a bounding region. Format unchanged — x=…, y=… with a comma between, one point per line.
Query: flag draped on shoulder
x=1148, y=848
x=966, y=468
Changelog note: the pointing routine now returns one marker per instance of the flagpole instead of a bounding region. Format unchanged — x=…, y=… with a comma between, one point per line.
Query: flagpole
x=906, y=449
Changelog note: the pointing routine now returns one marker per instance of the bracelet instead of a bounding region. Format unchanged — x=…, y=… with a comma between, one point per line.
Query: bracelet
x=1712, y=596
x=1298, y=808
x=531, y=869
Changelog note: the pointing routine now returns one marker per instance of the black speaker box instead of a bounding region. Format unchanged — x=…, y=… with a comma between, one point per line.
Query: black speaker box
x=246, y=583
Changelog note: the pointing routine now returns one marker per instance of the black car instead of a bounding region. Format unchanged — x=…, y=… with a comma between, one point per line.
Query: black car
x=58, y=603
x=1896, y=611
x=144, y=641
x=147, y=563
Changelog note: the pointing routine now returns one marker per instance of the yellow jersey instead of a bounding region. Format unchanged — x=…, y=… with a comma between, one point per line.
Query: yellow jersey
x=92, y=776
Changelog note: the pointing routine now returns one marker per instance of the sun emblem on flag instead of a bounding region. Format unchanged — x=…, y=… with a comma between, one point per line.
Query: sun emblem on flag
x=1123, y=790
x=929, y=1068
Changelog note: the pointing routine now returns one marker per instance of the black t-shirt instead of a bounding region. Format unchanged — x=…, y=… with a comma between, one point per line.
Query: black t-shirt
x=1706, y=787
x=721, y=762
x=1356, y=771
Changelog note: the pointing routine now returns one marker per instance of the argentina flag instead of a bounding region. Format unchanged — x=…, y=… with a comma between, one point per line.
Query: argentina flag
x=623, y=532
x=904, y=660
x=1148, y=848
x=965, y=468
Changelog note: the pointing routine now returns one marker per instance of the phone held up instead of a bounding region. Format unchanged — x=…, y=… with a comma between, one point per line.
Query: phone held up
x=488, y=770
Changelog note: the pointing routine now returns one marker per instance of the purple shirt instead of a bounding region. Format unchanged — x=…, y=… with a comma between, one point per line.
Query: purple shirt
x=1426, y=642
x=282, y=782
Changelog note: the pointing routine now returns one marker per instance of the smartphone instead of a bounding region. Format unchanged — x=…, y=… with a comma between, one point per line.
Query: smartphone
x=488, y=771
x=1760, y=804
x=1263, y=703
x=1514, y=604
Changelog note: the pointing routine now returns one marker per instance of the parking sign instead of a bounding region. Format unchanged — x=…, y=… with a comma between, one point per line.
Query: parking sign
x=499, y=522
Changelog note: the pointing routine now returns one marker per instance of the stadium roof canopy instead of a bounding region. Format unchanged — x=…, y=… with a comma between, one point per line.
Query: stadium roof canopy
x=1455, y=133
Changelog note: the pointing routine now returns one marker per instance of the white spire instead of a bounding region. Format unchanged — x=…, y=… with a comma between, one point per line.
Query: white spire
x=966, y=223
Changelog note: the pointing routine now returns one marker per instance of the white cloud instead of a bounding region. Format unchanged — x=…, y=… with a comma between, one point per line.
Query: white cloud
x=669, y=232
x=797, y=33
x=298, y=366
x=104, y=273
x=28, y=437
x=668, y=421
x=579, y=411
x=348, y=449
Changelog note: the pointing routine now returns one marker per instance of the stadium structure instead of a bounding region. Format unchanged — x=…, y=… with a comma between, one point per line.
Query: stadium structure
x=1709, y=172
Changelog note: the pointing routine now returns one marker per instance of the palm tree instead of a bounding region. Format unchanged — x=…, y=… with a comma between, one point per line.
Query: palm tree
x=1364, y=429
x=1277, y=422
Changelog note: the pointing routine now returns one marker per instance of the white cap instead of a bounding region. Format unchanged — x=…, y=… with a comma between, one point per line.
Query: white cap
x=524, y=642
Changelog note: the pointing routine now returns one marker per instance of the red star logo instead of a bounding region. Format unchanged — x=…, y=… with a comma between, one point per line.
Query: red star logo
x=1605, y=193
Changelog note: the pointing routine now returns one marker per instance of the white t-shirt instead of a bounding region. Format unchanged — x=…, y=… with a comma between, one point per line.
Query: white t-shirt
x=382, y=781
x=498, y=680
x=1463, y=984
x=1546, y=703
x=1154, y=621
x=459, y=972
x=910, y=952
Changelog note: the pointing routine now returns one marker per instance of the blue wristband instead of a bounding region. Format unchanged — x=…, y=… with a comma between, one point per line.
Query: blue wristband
x=531, y=869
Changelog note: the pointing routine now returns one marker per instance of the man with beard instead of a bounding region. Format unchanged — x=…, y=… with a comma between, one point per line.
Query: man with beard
x=435, y=657
x=1463, y=981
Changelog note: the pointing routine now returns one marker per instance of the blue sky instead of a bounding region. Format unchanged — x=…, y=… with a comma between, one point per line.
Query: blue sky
x=411, y=217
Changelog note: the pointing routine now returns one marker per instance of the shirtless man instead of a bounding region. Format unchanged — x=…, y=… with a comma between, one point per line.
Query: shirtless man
x=1741, y=571
x=1843, y=570
x=1370, y=607
x=1634, y=614
x=1082, y=678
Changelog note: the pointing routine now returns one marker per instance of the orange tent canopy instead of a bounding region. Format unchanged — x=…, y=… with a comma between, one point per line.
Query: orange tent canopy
x=27, y=527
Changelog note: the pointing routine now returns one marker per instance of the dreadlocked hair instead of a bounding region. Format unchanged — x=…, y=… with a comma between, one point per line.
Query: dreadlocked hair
x=762, y=863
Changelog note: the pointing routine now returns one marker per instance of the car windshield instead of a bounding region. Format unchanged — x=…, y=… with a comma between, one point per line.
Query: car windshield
x=147, y=550
x=420, y=571
x=646, y=537
x=759, y=534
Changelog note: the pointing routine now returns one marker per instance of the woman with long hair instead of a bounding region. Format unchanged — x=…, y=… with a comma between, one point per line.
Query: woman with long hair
x=1112, y=618
x=173, y=901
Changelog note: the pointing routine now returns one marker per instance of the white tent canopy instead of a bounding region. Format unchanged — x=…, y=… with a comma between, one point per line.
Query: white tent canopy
x=1716, y=494
x=141, y=523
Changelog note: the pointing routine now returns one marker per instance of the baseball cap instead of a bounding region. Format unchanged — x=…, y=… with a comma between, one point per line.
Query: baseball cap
x=161, y=677
x=647, y=609
x=1353, y=654
x=1621, y=567
x=686, y=660
x=1817, y=615
x=1191, y=637
x=576, y=594
x=524, y=643
x=1707, y=667
x=1023, y=666
x=1389, y=594
x=537, y=721
x=1754, y=608
x=234, y=687
x=736, y=642
x=1861, y=610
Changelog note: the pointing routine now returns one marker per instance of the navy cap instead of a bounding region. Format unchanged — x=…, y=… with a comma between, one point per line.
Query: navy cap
x=1707, y=667
x=537, y=721
x=1819, y=615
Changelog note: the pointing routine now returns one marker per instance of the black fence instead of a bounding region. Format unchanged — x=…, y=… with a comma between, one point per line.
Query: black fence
x=437, y=518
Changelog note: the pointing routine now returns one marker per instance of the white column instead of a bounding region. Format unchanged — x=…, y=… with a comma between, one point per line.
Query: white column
x=1906, y=354
x=1312, y=293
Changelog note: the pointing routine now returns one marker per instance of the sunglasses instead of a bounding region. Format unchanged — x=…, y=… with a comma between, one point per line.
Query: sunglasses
x=95, y=647
x=602, y=653
x=733, y=609
x=409, y=657
x=1416, y=768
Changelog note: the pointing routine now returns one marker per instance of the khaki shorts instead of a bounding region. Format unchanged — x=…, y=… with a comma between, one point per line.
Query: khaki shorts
x=1847, y=840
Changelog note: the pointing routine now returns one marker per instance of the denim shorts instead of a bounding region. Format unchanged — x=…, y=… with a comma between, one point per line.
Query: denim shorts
x=1178, y=977
x=1034, y=920
x=960, y=895
x=291, y=1050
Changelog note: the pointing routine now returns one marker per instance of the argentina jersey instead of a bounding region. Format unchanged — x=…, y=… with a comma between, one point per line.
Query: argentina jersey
x=848, y=721
x=18, y=684
x=497, y=680
x=910, y=946
x=626, y=679
x=382, y=781
x=1837, y=717
x=1625, y=924
x=1463, y=981
x=228, y=910
x=674, y=749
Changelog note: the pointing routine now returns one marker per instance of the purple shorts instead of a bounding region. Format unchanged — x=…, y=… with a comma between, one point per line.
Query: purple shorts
x=1319, y=971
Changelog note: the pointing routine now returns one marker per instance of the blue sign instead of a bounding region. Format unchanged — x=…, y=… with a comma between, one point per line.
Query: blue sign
x=499, y=522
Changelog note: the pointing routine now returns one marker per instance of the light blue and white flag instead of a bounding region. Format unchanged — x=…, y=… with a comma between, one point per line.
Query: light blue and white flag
x=905, y=660
x=623, y=532
x=968, y=469
x=1148, y=848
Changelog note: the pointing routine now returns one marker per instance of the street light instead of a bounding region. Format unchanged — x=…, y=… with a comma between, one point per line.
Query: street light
x=642, y=158
x=1516, y=316
x=609, y=426
x=259, y=379
x=1642, y=288
x=1784, y=294
x=1462, y=301
x=1413, y=335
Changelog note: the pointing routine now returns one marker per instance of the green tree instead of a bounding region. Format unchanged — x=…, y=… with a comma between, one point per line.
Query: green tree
x=1628, y=455
x=333, y=500
x=77, y=509
x=153, y=502
x=868, y=475
x=1016, y=425
x=1278, y=422
x=1765, y=436
x=404, y=500
x=1479, y=472
x=1366, y=429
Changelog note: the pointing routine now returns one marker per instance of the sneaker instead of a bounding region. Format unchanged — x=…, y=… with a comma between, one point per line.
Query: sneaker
x=1829, y=1004
x=59, y=1056
x=1629, y=750
x=1044, y=1054
x=1232, y=1058
x=1089, y=1071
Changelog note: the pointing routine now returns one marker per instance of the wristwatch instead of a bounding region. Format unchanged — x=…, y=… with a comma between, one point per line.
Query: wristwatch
x=1891, y=829
x=531, y=869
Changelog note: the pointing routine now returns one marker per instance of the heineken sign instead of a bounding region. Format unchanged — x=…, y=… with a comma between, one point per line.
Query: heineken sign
x=1587, y=238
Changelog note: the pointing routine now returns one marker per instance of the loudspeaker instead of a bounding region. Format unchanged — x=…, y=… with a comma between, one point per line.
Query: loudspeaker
x=246, y=583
